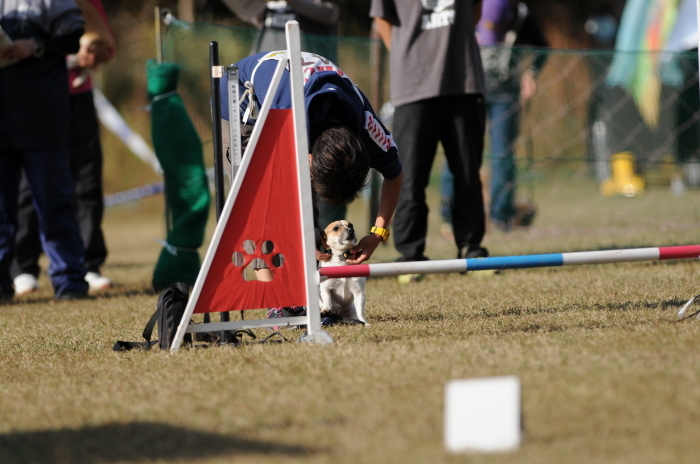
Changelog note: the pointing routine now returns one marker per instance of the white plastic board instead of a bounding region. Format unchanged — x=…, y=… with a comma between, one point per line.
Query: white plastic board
x=482, y=415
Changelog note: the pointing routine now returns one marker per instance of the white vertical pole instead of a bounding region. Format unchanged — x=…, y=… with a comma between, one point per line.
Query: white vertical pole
x=296, y=78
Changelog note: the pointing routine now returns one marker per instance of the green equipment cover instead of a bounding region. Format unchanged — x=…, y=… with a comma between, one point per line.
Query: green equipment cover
x=179, y=150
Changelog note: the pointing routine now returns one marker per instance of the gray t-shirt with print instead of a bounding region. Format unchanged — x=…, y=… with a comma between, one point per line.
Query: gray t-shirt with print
x=433, y=48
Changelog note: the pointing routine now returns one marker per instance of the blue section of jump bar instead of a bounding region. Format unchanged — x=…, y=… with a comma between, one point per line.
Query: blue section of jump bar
x=515, y=262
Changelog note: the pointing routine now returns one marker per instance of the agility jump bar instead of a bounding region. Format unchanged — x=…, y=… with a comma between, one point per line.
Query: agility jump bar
x=512, y=262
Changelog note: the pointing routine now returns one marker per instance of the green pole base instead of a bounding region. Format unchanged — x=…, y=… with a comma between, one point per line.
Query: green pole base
x=172, y=269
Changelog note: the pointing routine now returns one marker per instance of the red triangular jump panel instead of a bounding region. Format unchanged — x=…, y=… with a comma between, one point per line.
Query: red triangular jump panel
x=266, y=209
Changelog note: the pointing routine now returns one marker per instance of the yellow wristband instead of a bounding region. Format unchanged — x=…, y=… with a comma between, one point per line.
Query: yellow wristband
x=380, y=231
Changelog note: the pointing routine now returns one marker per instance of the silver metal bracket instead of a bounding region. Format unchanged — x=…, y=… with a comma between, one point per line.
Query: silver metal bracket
x=320, y=337
x=234, y=120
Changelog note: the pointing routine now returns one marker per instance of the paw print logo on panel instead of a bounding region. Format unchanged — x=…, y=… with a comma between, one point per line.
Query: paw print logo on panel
x=258, y=263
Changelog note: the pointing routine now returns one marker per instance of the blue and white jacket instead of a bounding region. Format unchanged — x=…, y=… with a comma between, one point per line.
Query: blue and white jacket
x=329, y=94
x=34, y=103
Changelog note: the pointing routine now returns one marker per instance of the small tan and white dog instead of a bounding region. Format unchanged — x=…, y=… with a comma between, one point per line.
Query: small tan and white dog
x=344, y=296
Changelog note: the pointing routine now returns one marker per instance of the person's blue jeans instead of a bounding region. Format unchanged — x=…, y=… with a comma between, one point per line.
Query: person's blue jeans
x=503, y=130
x=49, y=177
x=86, y=172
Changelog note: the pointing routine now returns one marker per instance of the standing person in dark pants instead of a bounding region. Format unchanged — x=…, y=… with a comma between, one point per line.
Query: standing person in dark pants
x=97, y=46
x=34, y=136
x=437, y=87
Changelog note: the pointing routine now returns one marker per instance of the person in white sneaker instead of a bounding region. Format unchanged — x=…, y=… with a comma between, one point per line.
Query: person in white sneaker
x=35, y=136
x=96, y=47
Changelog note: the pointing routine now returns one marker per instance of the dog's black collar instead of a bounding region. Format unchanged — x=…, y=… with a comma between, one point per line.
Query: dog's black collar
x=342, y=257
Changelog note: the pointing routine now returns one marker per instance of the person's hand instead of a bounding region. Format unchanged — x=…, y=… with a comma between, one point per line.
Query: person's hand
x=18, y=50
x=528, y=85
x=365, y=248
x=325, y=257
x=90, y=55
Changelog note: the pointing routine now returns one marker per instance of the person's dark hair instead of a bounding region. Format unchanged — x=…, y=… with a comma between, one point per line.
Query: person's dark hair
x=339, y=165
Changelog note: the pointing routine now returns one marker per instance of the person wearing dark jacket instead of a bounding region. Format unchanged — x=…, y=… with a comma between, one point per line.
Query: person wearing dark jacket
x=96, y=47
x=345, y=136
x=35, y=135
x=315, y=17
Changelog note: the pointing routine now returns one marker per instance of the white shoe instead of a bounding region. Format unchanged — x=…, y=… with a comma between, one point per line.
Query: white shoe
x=25, y=283
x=98, y=282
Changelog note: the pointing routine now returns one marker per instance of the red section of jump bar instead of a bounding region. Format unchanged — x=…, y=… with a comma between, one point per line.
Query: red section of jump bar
x=358, y=270
x=679, y=252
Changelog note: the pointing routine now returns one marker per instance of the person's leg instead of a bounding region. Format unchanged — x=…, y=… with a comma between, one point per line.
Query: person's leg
x=48, y=173
x=27, y=241
x=415, y=133
x=86, y=170
x=9, y=185
x=503, y=119
x=688, y=139
x=462, y=123
x=446, y=194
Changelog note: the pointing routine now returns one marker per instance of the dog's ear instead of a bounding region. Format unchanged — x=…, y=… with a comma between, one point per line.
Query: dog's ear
x=321, y=239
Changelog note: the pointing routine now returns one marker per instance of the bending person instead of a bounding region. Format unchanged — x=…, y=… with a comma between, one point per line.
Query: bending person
x=345, y=137
x=319, y=19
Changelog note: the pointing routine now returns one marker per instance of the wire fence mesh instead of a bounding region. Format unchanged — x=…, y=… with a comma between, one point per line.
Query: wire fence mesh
x=589, y=107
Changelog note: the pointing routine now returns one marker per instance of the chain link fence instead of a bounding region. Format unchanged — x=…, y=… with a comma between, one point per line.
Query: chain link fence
x=607, y=140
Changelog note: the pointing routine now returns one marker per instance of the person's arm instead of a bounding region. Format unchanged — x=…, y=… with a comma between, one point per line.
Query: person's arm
x=321, y=11
x=384, y=28
x=93, y=53
x=24, y=48
x=391, y=188
x=477, y=11
x=18, y=50
x=530, y=34
x=97, y=45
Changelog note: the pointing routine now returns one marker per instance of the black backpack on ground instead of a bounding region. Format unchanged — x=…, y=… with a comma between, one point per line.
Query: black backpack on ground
x=169, y=311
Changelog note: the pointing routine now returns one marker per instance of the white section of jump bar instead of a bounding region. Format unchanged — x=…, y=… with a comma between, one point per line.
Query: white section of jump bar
x=610, y=256
x=418, y=267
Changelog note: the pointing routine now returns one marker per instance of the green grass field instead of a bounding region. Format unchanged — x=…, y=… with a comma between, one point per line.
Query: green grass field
x=607, y=376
